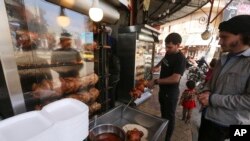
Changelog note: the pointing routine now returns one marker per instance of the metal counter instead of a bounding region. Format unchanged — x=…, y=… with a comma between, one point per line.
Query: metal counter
x=156, y=126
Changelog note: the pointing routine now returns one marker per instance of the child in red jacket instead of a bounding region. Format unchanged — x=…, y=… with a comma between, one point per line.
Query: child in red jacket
x=188, y=101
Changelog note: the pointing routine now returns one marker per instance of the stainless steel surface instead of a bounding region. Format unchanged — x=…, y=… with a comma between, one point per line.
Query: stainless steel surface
x=126, y=52
x=9, y=64
x=95, y=118
x=132, y=99
x=156, y=126
x=106, y=128
x=110, y=14
x=145, y=32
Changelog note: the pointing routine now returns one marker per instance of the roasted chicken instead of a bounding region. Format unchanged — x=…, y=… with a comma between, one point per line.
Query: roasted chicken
x=134, y=135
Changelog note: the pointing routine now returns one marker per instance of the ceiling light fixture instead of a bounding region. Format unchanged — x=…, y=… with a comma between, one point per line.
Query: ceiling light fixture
x=62, y=19
x=173, y=1
x=95, y=12
x=206, y=34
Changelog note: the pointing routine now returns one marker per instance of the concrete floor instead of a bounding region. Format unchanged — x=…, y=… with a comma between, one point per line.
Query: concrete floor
x=182, y=132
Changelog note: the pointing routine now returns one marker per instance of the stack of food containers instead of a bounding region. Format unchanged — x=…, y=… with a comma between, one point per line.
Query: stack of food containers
x=63, y=120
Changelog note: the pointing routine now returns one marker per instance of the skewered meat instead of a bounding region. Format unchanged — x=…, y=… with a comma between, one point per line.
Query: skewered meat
x=139, y=89
x=66, y=85
x=136, y=93
x=88, y=80
x=94, y=107
x=74, y=96
x=43, y=89
x=142, y=82
x=93, y=78
x=38, y=107
x=70, y=85
x=84, y=97
x=94, y=93
x=134, y=135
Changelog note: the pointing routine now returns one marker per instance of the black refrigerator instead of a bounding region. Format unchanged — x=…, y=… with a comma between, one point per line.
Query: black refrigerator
x=135, y=48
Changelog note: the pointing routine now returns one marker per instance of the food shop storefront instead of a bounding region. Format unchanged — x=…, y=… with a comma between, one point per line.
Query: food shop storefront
x=45, y=60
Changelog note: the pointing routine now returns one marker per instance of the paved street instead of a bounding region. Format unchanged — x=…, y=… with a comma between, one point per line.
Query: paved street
x=183, y=132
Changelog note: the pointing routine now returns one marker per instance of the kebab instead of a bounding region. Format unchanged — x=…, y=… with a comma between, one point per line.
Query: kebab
x=139, y=89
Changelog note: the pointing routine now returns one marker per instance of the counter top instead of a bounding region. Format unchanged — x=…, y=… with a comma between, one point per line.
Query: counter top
x=156, y=126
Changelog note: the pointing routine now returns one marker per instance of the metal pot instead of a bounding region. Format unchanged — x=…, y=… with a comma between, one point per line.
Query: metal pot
x=107, y=129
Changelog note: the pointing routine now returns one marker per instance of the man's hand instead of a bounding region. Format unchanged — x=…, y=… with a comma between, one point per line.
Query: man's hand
x=203, y=98
x=151, y=84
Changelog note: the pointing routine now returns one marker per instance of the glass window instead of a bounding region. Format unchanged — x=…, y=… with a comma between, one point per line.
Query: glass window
x=53, y=61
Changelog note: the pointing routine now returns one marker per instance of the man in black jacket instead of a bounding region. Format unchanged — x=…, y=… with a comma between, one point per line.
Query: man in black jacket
x=172, y=68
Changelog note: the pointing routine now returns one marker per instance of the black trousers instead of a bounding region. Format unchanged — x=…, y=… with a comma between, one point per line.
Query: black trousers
x=168, y=104
x=210, y=131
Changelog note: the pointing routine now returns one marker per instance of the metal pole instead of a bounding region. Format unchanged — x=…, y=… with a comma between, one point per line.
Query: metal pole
x=9, y=64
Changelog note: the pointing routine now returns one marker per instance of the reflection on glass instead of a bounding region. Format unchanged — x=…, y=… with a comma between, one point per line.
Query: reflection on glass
x=66, y=55
x=42, y=59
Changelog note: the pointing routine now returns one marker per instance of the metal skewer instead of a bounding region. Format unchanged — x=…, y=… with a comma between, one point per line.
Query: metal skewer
x=132, y=99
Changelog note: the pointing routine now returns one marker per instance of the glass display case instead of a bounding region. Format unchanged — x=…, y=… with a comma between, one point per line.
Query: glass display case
x=143, y=59
x=52, y=62
x=136, y=46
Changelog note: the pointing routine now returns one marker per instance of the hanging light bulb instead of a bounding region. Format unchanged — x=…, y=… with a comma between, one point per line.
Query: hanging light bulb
x=62, y=19
x=206, y=35
x=95, y=12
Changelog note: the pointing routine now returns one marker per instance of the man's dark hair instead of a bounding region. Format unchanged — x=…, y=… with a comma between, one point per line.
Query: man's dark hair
x=245, y=37
x=190, y=84
x=174, y=38
x=65, y=35
x=238, y=25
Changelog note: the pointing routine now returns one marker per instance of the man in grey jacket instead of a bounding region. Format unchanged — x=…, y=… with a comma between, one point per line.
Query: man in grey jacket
x=227, y=95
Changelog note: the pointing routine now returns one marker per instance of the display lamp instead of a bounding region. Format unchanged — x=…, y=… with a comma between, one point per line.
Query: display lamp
x=95, y=12
x=206, y=34
x=62, y=19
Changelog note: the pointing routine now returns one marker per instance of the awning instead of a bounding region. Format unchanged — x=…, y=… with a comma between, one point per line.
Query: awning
x=162, y=11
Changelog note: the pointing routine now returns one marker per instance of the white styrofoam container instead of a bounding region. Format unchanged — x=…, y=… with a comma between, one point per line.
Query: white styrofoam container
x=2, y=138
x=24, y=126
x=47, y=135
x=63, y=120
x=65, y=109
x=62, y=112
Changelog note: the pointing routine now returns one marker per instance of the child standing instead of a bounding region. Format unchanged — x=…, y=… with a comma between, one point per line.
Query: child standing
x=188, y=101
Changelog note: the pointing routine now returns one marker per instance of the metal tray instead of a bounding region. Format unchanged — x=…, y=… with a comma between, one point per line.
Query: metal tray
x=156, y=126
